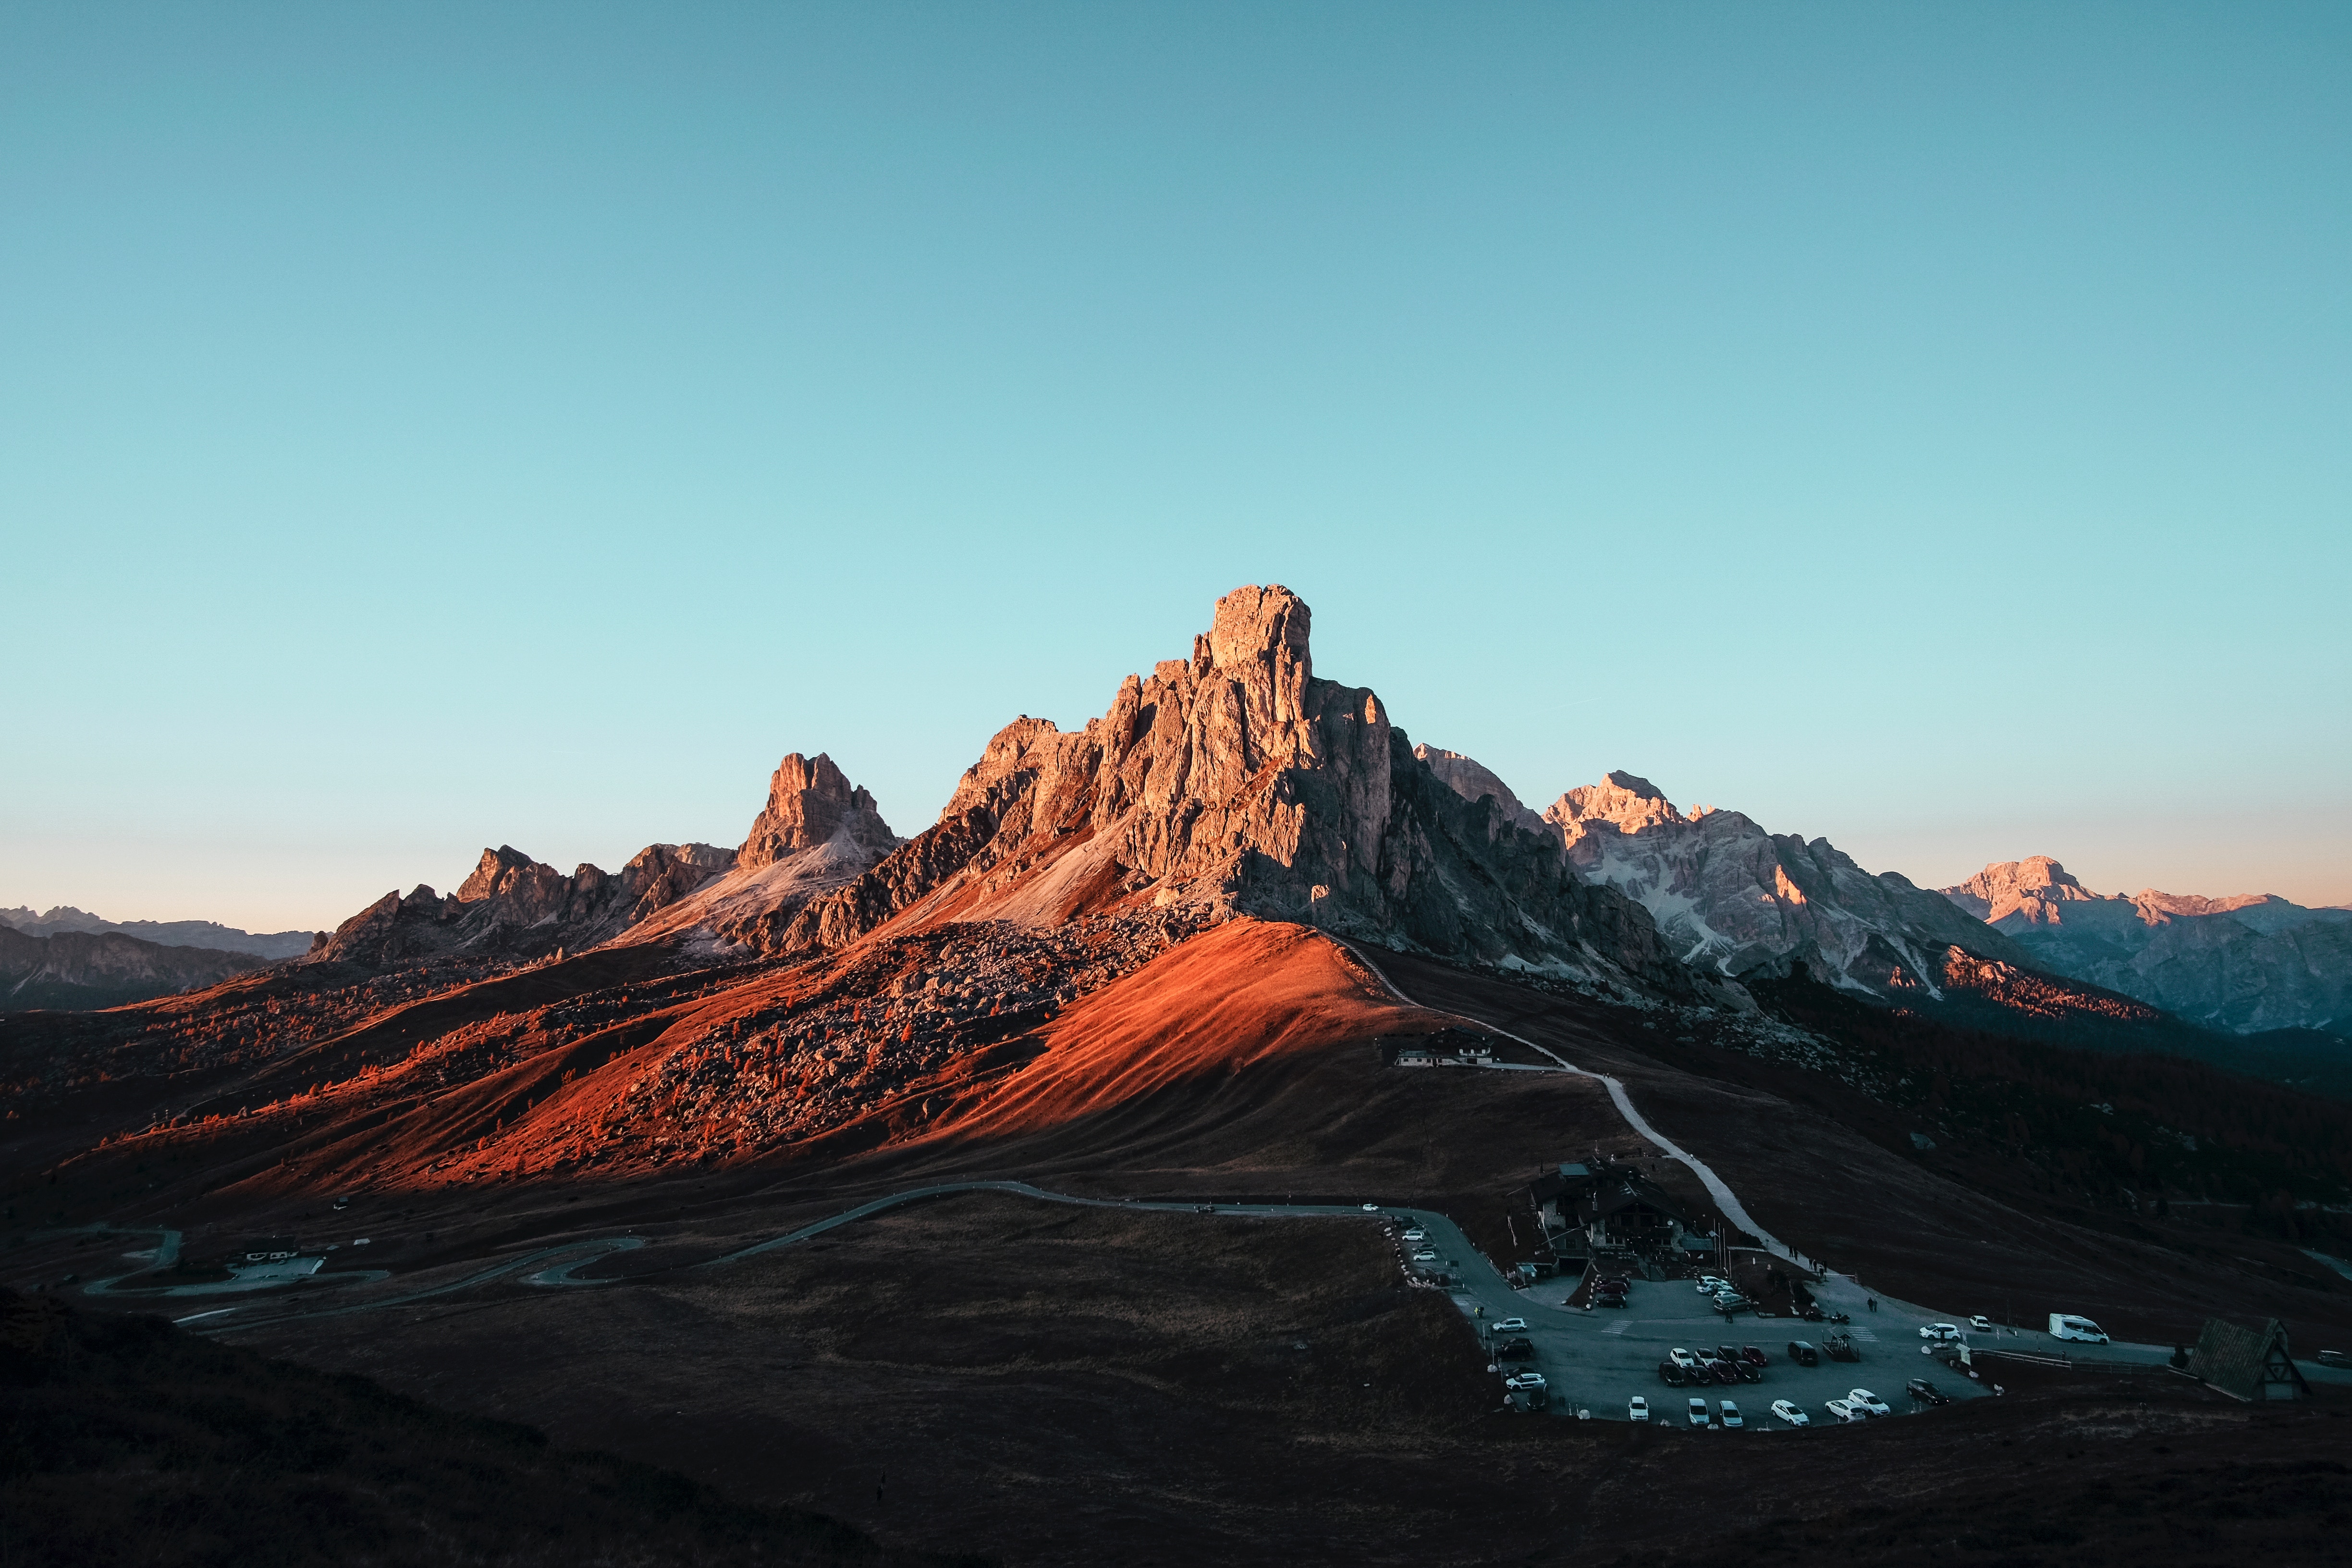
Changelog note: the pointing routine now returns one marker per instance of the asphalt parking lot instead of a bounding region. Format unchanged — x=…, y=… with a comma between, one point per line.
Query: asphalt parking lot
x=1598, y=1359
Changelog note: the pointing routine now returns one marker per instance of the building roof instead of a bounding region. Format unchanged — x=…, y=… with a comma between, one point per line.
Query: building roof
x=1632, y=1192
x=2246, y=1362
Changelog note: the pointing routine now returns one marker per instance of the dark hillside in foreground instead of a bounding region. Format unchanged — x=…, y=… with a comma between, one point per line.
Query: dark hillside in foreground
x=2145, y=1128
x=123, y=1440
x=1071, y=1387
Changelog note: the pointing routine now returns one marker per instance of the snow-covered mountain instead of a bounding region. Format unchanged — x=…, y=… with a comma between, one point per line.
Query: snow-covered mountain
x=1729, y=896
x=1743, y=900
x=2250, y=963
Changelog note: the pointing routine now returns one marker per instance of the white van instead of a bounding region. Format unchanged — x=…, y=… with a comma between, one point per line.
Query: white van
x=2066, y=1326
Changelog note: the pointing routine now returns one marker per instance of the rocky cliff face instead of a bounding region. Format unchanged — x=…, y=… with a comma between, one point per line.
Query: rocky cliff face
x=1236, y=782
x=1728, y=895
x=1470, y=779
x=70, y=969
x=2248, y=964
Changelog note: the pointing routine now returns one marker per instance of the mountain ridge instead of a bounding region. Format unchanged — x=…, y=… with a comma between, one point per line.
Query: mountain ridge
x=163, y=933
x=2247, y=962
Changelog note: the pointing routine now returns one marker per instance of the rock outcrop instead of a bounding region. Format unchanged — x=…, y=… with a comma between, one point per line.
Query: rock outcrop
x=810, y=803
x=2248, y=964
x=73, y=969
x=1732, y=897
x=1236, y=782
x=817, y=831
x=514, y=904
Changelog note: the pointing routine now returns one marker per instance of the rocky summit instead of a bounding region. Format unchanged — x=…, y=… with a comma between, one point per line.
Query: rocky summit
x=817, y=832
x=1237, y=782
x=2248, y=964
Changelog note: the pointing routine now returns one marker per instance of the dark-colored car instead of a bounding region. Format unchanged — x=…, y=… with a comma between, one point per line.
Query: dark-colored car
x=1810, y=1313
x=1615, y=1282
x=1671, y=1375
x=1723, y=1372
x=1753, y=1356
x=1919, y=1388
x=1803, y=1354
x=1517, y=1348
x=1610, y=1299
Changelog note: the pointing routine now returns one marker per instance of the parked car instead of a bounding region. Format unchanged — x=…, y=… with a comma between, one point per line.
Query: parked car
x=1940, y=1331
x=1681, y=1358
x=1637, y=1409
x=1512, y=1326
x=1698, y=1416
x=2066, y=1326
x=1416, y=1234
x=1672, y=1377
x=1730, y=1415
x=1708, y=1284
x=1927, y=1392
x=1753, y=1356
x=1424, y=1256
x=1610, y=1299
x=1612, y=1282
x=1515, y=1349
x=1867, y=1401
x=1731, y=1305
x=1723, y=1372
x=1810, y=1312
x=1524, y=1380
x=1372, y=1208
x=1793, y=1414
x=1802, y=1353
x=1844, y=1411
x=1980, y=1324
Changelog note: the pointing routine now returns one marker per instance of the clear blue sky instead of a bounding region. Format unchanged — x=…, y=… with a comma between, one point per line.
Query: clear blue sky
x=431, y=427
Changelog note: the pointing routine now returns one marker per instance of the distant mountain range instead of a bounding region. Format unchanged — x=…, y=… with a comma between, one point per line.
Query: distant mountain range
x=163, y=933
x=71, y=958
x=79, y=969
x=2249, y=963
x=1734, y=898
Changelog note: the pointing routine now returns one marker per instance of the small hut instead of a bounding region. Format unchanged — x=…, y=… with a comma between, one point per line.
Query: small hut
x=2247, y=1363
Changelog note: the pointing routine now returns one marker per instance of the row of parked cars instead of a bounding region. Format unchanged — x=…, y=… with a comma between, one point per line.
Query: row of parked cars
x=1721, y=1365
x=1858, y=1405
x=1724, y=1294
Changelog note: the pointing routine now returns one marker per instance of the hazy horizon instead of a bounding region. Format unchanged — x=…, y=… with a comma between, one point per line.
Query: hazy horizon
x=435, y=429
